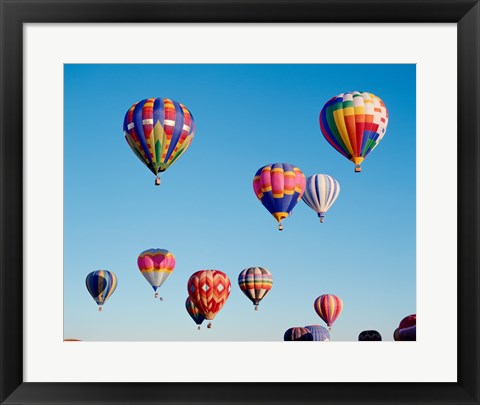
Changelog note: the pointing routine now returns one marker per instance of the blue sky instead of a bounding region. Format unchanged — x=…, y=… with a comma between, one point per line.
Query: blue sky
x=206, y=212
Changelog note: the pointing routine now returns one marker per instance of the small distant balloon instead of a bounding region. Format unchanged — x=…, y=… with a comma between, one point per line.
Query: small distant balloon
x=255, y=282
x=156, y=265
x=328, y=307
x=319, y=333
x=297, y=334
x=369, y=336
x=279, y=186
x=194, y=312
x=321, y=191
x=101, y=284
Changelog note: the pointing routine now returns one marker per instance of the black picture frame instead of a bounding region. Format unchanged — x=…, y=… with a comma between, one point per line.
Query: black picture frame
x=14, y=13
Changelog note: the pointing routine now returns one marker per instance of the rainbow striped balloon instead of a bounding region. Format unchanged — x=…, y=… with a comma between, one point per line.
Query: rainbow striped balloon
x=156, y=265
x=328, y=307
x=255, y=282
x=101, y=284
x=354, y=123
x=159, y=131
x=279, y=186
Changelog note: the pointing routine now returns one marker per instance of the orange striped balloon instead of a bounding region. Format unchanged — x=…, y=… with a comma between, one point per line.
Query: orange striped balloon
x=328, y=307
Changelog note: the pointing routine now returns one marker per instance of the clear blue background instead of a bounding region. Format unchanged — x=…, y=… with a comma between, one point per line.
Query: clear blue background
x=206, y=212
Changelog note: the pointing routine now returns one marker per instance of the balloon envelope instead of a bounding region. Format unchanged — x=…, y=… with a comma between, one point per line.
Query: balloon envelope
x=255, y=282
x=194, y=312
x=297, y=334
x=408, y=334
x=159, y=131
x=408, y=328
x=279, y=186
x=319, y=333
x=101, y=284
x=321, y=191
x=156, y=265
x=354, y=123
x=369, y=336
x=209, y=290
x=328, y=307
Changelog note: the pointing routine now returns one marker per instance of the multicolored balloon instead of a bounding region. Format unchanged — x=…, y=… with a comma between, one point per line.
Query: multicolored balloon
x=297, y=334
x=209, y=290
x=255, y=282
x=156, y=265
x=328, y=307
x=321, y=191
x=279, y=186
x=159, y=131
x=319, y=333
x=101, y=284
x=354, y=123
x=369, y=336
x=194, y=313
x=408, y=328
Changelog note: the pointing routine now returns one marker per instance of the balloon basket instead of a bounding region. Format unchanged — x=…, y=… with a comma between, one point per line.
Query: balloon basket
x=280, y=227
x=321, y=220
x=156, y=295
x=209, y=326
x=99, y=309
x=157, y=181
x=161, y=298
x=198, y=328
x=358, y=169
x=256, y=307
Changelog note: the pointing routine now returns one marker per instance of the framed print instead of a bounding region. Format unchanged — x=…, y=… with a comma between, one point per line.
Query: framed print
x=241, y=86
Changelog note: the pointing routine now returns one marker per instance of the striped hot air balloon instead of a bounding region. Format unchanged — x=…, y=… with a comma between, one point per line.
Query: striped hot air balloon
x=321, y=191
x=328, y=307
x=159, y=131
x=194, y=312
x=369, y=336
x=156, y=265
x=354, y=123
x=319, y=333
x=101, y=284
x=279, y=186
x=297, y=334
x=209, y=290
x=255, y=282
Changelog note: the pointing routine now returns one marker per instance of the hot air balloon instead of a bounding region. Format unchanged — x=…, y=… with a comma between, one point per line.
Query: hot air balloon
x=354, y=123
x=408, y=328
x=328, y=307
x=396, y=334
x=297, y=334
x=101, y=284
x=209, y=290
x=194, y=313
x=321, y=191
x=319, y=333
x=369, y=336
x=255, y=282
x=279, y=186
x=156, y=265
x=159, y=131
